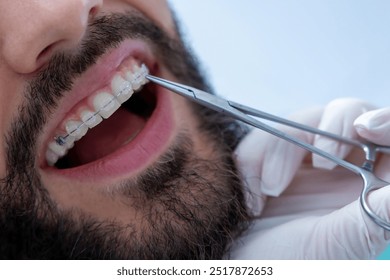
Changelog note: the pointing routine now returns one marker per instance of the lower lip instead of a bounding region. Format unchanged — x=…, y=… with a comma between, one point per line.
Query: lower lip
x=137, y=155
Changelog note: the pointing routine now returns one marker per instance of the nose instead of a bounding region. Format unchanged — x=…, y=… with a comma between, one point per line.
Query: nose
x=32, y=31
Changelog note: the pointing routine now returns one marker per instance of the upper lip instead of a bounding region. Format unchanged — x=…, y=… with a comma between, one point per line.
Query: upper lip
x=95, y=78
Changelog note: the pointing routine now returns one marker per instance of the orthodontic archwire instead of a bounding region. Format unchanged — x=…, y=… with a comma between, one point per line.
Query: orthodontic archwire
x=61, y=140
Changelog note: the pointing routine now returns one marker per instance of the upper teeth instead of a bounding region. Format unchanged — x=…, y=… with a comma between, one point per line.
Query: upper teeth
x=104, y=104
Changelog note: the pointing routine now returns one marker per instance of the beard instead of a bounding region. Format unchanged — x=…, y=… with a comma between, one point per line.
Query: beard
x=192, y=207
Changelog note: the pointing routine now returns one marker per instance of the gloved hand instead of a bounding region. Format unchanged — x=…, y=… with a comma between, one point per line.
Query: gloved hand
x=309, y=208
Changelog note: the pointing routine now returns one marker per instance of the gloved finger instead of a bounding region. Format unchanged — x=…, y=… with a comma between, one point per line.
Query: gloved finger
x=382, y=168
x=249, y=159
x=347, y=233
x=338, y=118
x=350, y=234
x=375, y=126
x=268, y=164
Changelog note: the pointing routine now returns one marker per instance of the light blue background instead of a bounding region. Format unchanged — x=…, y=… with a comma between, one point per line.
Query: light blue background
x=284, y=55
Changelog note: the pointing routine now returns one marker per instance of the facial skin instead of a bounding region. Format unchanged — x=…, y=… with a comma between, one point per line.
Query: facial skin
x=171, y=192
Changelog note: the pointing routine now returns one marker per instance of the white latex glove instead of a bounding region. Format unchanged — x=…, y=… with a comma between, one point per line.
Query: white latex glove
x=313, y=213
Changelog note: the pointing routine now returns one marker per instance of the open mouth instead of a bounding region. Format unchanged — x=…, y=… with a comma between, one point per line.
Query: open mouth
x=107, y=121
x=112, y=133
x=112, y=123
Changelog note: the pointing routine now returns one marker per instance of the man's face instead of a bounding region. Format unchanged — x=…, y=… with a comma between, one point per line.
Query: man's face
x=154, y=179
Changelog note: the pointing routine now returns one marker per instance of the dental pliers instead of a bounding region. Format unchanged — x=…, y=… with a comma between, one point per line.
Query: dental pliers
x=250, y=116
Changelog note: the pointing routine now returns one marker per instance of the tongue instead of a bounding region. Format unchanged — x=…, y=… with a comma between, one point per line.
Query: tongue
x=107, y=137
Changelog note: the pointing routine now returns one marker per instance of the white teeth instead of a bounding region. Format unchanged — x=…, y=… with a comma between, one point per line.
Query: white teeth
x=70, y=142
x=105, y=104
x=90, y=118
x=58, y=149
x=51, y=157
x=133, y=79
x=137, y=76
x=121, y=88
x=144, y=72
x=76, y=129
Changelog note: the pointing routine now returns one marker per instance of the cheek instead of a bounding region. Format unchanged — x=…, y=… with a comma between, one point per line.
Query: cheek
x=158, y=11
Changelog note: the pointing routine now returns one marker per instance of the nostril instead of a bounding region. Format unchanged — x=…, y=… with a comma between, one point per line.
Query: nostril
x=45, y=52
x=93, y=11
x=45, y=55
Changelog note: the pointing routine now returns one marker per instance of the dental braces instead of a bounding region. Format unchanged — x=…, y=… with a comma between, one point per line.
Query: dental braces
x=62, y=140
